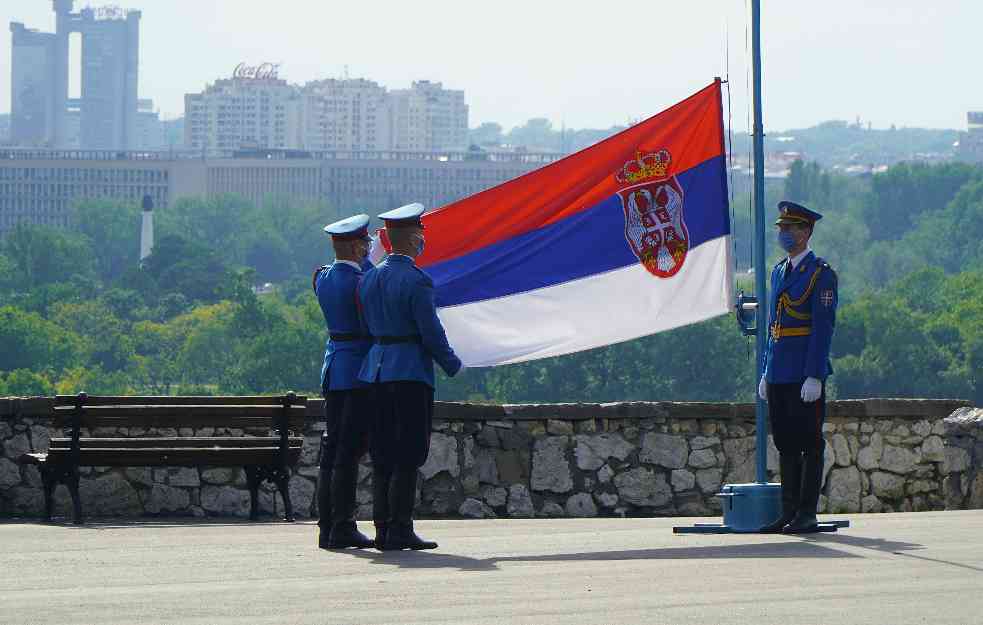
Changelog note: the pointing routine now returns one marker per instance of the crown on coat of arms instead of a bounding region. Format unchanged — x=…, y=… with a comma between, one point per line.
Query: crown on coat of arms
x=653, y=165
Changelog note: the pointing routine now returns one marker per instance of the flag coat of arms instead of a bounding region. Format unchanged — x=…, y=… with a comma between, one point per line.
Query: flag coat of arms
x=623, y=239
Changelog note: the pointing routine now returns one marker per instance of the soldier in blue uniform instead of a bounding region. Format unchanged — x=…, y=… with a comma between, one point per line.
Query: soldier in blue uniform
x=347, y=400
x=398, y=303
x=802, y=316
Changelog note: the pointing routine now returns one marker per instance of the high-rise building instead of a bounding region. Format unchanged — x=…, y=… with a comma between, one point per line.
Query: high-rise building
x=110, y=58
x=427, y=117
x=345, y=114
x=42, y=113
x=150, y=130
x=33, y=93
x=253, y=109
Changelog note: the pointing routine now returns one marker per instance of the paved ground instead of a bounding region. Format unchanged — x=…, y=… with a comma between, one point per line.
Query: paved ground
x=886, y=569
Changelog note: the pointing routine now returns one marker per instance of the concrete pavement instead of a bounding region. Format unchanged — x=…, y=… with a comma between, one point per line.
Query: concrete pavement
x=890, y=568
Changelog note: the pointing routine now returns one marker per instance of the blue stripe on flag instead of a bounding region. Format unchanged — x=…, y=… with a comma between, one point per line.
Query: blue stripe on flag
x=590, y=242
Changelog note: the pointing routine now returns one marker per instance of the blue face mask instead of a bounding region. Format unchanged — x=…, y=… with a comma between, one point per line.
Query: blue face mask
x=787, y=240
x=420, y=244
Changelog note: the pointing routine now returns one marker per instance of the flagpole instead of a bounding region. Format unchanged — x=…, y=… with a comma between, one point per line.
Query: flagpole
x=760, y=287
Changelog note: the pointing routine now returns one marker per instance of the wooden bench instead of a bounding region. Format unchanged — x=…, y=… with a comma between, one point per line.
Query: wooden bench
x=263, y=457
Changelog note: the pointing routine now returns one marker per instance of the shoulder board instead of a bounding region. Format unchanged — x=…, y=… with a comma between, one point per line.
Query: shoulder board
x=317, y=272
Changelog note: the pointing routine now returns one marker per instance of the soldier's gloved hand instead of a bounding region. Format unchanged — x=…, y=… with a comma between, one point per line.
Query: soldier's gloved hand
x=811, y=390
x=763, y=389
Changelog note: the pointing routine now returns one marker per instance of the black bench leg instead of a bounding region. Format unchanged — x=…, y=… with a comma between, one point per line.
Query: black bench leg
x=283, y=485
x=73, y=488
x=253, y=479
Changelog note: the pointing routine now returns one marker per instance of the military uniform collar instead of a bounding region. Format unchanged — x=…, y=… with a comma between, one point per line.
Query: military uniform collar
x=403, y=258
x=349, y=263
x=798, y=258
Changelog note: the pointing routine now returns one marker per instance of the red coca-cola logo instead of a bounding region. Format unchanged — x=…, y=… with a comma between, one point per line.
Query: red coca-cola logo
x=264, y=71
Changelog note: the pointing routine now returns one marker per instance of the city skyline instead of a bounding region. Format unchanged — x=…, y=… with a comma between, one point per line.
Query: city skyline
x=886, y=62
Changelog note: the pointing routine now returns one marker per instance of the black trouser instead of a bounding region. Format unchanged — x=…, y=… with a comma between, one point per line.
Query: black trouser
x=798, y=430
x=348, y=418
x=400, y=442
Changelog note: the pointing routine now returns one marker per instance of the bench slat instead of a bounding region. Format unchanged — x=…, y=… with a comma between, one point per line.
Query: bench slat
x=151, y=457
x=171, y=418
x=196, y=400
x=195, y=442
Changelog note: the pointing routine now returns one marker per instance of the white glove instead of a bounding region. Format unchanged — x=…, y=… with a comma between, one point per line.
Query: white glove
x=376, y=250
x=811, y=390
x=763, y=389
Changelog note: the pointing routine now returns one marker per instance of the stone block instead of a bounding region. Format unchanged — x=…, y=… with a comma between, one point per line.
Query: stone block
x=869, y=457
x=607, y=500
x=956, y=460
x=550, y=468
x=551, y=510
x=225, y=500
x=139, y=475
x=870, y=503
x=581, y=505
x=682, y=480
x=709, y=480
x=220, y=475
x=16, y=446
x=486, y=467
x=592, y=451
x=887, y=485
x=604, y=474
x=844, y=490
x=642, y=487
x=443, y=456
x=703, y=442
x=109, y=495
x=664, y=450
x=842, y=450
x=494, y=496
x=160, y=498
x=9, y=473
x=898, y=459
x=302, y=492
x=487, y=436
x=183, y=476
x=475, y=509
x=513, y=466
x=520, y=502
x=702, y=458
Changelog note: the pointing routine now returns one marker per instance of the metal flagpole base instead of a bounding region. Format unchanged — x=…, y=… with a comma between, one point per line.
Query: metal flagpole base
x=747, y=508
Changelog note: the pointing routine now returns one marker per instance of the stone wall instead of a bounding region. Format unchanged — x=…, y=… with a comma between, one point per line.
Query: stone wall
x=625, y=459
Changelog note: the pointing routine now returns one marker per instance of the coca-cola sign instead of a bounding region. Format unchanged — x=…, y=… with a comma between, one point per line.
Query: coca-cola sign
x=264, y=71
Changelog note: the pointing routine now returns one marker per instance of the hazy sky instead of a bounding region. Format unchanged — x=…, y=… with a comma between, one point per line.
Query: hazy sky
x=583, y=63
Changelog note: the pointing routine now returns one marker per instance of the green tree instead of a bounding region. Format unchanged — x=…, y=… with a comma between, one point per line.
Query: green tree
x=113, y=227
x=43, y=255
x=28, y=341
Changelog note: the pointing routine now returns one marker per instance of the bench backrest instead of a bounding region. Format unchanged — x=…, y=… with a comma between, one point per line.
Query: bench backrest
x=95, y=411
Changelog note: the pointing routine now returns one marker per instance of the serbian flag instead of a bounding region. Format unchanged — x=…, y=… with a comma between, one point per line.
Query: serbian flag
x=626, y=238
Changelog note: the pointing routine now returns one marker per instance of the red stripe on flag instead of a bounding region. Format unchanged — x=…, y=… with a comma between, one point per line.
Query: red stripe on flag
x=691, y=131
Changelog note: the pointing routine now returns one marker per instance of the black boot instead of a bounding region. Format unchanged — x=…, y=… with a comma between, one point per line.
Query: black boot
x=402, y=498
x=791, y=468
x=401, y=536
x=345, y=534
x=381, y=530
x=805, y=521
x=381, y=480
x=324, y=508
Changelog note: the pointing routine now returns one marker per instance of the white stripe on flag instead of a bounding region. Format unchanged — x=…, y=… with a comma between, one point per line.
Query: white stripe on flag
x=599, y=310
